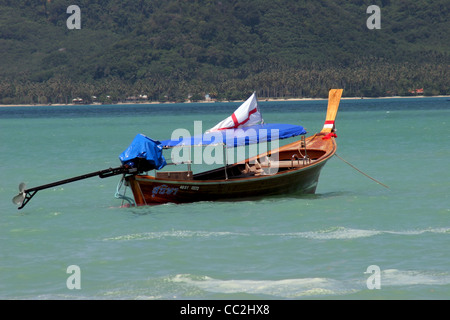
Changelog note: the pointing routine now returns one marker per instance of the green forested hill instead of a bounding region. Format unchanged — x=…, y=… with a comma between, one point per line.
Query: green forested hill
x=172, y=49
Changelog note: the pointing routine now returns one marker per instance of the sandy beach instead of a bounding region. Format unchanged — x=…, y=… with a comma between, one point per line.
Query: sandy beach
x=203, y=101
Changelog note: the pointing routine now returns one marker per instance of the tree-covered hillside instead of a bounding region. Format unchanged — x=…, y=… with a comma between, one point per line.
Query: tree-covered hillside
x=175, y=49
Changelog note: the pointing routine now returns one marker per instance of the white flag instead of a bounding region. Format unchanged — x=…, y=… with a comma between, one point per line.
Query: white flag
x=246, y=115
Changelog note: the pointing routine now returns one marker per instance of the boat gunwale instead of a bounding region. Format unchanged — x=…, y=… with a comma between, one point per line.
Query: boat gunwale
x=326, y=157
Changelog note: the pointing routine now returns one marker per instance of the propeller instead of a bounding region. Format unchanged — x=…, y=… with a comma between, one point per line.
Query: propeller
x=18, y=200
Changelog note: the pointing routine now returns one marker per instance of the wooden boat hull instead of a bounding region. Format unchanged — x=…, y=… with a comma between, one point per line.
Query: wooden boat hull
x=246, y=179
x=148, y=190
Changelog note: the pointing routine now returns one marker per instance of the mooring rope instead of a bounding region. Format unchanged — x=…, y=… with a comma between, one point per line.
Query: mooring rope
x=361, y=171
x=118, y=195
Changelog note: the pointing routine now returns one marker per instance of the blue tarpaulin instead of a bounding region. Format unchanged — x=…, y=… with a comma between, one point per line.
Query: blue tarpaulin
x=239, y=137
x=146, y=154
x=143, y=148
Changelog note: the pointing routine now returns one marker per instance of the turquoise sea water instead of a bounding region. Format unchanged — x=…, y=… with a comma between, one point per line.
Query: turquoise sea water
x=286, y=247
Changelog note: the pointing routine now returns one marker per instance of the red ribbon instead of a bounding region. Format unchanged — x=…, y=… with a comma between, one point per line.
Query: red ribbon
x=328, y=136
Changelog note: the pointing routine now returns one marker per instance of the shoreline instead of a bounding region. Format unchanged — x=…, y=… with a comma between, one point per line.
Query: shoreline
x=261, y=100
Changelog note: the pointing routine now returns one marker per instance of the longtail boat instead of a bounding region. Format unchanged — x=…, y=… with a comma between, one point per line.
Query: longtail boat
x=292, y=168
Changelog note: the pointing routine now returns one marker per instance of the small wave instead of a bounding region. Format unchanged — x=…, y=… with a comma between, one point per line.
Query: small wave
x=342, y=233
x=286, y=288
x=170, y=234
x=395, y=277
x=312, y=287
x=334, y=233
x=416, y=232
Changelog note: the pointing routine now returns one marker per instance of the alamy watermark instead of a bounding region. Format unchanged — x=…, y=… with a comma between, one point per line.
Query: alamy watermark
x=74, y=280
x=74, y=21
x=374, y=280
x=225, y=147
x=374, y=21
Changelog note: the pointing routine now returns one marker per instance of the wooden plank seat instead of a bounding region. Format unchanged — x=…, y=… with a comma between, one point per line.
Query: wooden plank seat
x=258, y=168
x=174, y=175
